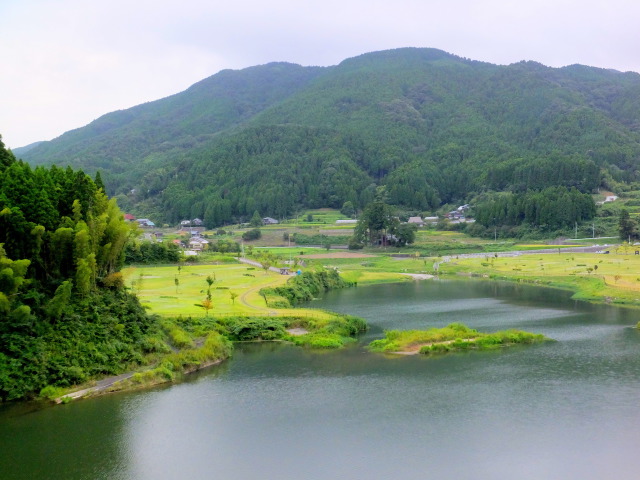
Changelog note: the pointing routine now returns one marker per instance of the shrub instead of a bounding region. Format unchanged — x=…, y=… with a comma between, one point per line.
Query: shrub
x=320, y=340
x=307, y=286
x=254, y=328
x=253, y=234
x=51, y=393
x=180, y=338
x=354, y=244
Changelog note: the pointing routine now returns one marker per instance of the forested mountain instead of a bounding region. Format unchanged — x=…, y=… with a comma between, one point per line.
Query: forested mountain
x=64, y=313
x=126, y=144
x=432, y=127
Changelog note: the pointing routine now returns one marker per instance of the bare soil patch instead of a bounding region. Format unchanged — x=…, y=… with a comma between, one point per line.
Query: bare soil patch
x=297, y=331
x=419, y=276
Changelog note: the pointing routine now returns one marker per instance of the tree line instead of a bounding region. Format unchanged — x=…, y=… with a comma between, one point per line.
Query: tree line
x=552, y=208
x=64, y=313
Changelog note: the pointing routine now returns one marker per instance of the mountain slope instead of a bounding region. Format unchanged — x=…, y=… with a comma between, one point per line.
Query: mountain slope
x=432, y=127
x=126, y=139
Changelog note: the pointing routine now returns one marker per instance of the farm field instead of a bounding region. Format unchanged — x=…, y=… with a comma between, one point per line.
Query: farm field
x=157, y=289
x=613, y=278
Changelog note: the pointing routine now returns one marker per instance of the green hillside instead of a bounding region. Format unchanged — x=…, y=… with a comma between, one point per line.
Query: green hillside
x=128, y=143
x=434, y=128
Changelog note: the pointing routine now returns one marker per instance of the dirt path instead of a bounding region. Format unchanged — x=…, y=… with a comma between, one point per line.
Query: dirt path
x=415, y=349
x=246, y=303
x=243, y=298
x=419, y=276
x=100, y=386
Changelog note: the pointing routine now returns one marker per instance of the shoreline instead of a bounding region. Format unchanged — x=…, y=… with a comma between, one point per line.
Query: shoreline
x=571, y=284
x=118, y=381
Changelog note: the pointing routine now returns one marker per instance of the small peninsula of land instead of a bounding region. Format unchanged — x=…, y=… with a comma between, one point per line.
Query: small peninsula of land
x=452, y=338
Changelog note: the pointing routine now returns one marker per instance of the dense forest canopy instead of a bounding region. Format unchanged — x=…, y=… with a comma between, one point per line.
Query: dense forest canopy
x=431, y=127
x=553, y=208
x=64, y=314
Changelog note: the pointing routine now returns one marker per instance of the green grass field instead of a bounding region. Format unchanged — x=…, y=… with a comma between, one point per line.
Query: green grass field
x=156, y=287
x=613, y=278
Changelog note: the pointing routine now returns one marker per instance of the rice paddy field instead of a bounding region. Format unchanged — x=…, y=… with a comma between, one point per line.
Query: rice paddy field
x=159, y=292
x=612, y=278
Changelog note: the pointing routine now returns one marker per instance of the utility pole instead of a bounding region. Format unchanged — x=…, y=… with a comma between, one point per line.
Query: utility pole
x=593, y=226
x=576, y=236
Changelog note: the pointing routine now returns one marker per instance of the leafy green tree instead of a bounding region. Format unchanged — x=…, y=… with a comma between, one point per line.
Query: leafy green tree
x=253, y=234
x=266, y=264
x=60, y=290
x=373, y=224
x=233, y=295
x=98, y=181
x=405, y=234
x=626, y=226
x=348, y=209
x=256, y=220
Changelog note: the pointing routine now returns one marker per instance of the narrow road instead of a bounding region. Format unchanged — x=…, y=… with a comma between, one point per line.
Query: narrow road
x=516, y=253
x=100, y=386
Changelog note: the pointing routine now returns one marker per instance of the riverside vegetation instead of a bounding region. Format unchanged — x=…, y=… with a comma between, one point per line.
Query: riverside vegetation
x=387, y=134
x=66, y=314
x=452, y=338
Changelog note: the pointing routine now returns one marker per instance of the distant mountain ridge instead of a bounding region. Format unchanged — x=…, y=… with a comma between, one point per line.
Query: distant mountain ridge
x=21, y=150
x=430, y=126
x=206, y=108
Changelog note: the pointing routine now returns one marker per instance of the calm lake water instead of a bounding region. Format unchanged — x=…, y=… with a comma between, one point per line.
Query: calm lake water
x=562, y=410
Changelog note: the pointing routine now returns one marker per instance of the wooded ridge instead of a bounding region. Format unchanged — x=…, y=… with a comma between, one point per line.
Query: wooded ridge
x=432, y=127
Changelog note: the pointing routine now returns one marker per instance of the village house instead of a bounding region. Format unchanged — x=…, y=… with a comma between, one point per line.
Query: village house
x=454, y=215
x=198, y=244
x=269, y=221
x=416, y=221
x=145, y=223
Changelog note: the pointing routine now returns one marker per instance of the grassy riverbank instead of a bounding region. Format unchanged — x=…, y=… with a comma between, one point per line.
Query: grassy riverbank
x=249, y=303
x=199, y=338
x=452, y=338
x=613, y=278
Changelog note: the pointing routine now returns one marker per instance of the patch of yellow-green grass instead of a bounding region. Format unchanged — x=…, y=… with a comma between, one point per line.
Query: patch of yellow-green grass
x=363, y=277
x=156, y=287
x=274, y=235
x=379, y=264
x=286, y=252
x=348, y=228
x=453, y=337
x=594, y=277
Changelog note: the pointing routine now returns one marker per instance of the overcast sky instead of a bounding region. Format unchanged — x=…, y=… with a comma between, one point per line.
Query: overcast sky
x=67, y=62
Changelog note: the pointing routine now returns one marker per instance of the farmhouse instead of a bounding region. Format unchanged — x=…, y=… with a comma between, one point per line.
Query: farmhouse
x=416, y=221
x=146, y=223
